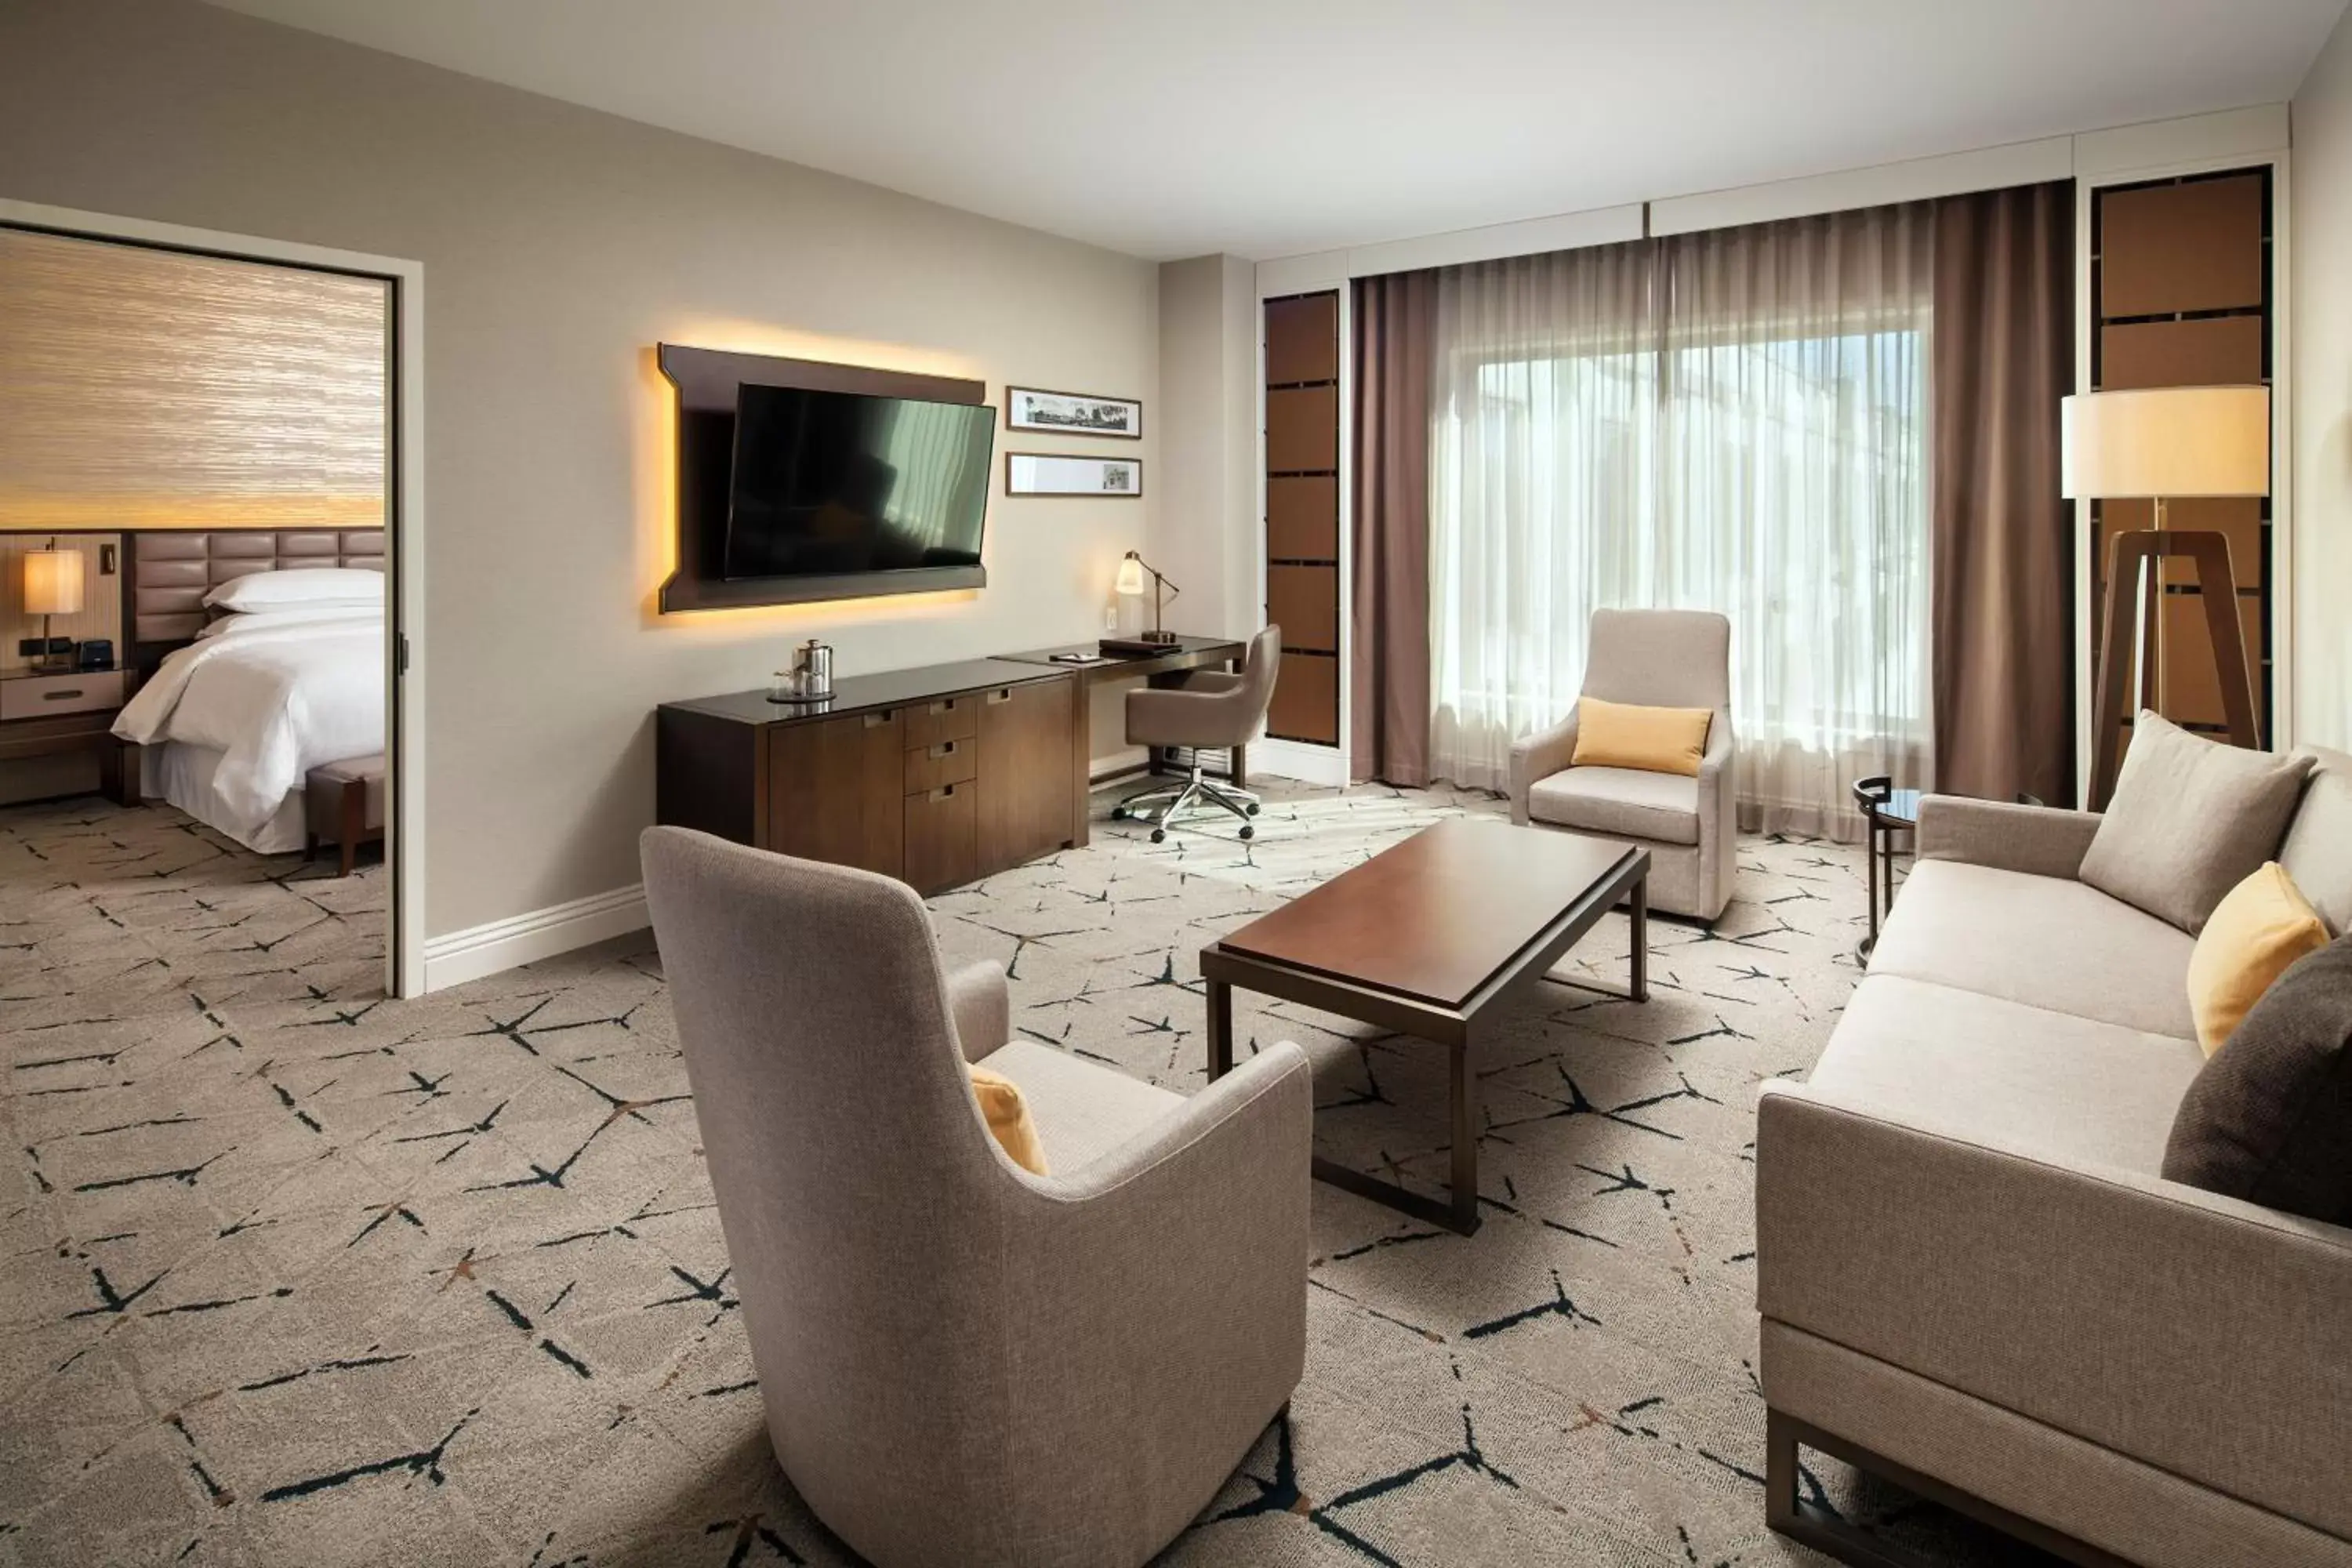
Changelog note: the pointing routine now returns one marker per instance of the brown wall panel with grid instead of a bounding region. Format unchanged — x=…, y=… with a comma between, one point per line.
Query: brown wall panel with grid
x=1302, y=512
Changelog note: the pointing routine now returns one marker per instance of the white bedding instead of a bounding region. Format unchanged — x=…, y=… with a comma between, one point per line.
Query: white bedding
x=275, y=700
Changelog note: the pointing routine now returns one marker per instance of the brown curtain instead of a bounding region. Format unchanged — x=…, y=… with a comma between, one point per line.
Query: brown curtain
x=2002, y=561
x=1395, y=325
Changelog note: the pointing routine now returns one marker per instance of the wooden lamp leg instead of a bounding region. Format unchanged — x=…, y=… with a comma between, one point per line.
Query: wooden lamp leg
x=2134, y=571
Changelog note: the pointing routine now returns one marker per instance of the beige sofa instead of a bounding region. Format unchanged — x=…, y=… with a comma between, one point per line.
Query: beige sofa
x=1972, y=1278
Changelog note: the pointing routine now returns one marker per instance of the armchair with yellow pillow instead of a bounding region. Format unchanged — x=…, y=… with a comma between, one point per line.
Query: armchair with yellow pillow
x=1646, y=754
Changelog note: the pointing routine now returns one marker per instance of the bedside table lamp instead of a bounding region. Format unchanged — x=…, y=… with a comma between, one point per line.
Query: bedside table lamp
x=2163, y=443
x=52, y=586
x=1130, y=583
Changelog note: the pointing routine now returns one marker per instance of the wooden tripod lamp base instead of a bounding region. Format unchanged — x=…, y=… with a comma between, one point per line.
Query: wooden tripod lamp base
x=2156, y=442
x=2135, y=565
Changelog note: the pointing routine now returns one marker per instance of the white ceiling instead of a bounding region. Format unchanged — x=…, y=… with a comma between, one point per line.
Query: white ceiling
x=1271, y=126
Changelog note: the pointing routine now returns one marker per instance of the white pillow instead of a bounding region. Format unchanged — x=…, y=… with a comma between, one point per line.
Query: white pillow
x=311, y=586
x=307, y=615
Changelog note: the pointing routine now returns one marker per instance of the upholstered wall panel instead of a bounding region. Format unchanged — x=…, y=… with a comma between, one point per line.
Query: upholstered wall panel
x=2195, y=246
x=171, y=573
x=1302, y=517
x=1302, y=339
x=2211, y=351
x=149, y=389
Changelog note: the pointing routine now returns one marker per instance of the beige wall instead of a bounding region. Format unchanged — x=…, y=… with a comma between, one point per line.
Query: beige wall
x=559, y=246
x=2321, y=331
x=1204, y=532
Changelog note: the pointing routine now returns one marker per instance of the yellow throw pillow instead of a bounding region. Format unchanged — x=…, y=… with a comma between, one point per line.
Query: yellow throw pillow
x=1008, y=1119
x=1655, y=740
x=2257, y=930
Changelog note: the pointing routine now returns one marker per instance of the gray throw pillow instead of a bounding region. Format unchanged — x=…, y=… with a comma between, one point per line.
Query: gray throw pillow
x=2269, y=1118
x=2192, y=818
x=2318, y=853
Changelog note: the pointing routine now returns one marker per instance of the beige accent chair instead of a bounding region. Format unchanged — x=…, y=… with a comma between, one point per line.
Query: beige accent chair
x=961, y=1362
x=1657, y=658
x=1973, y=1275
x=1214, y=710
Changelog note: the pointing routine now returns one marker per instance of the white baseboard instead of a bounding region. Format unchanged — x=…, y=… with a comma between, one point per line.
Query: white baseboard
x=463, y=955
x=1323, y=765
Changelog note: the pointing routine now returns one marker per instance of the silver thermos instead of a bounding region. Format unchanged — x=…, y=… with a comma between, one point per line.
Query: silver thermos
x=810, y=679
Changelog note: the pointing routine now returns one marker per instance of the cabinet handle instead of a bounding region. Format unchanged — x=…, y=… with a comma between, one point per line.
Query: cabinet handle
x=943, y=791
x=60, y=696
x=875, y=720
x=946, y=707
x=1002, y=694
x=944, y=749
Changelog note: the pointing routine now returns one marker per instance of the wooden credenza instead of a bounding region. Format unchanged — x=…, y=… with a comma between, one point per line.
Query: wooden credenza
x=937, y=776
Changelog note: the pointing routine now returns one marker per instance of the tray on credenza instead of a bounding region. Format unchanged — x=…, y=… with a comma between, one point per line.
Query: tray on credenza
x=1131, y=647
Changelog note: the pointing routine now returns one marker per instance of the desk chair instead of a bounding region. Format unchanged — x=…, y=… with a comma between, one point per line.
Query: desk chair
x=1211, y=711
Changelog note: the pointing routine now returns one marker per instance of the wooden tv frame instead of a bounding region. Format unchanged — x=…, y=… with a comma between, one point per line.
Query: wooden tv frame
x=705, y=380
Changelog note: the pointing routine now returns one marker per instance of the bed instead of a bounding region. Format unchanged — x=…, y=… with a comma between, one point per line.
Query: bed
x=233, y=708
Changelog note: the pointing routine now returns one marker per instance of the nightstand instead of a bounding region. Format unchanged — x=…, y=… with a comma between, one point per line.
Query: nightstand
x=44, y=713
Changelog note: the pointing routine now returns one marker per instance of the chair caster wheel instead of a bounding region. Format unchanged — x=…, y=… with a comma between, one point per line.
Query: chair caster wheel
x=1247, y=831
x=1252, y=810
x=1159, y=835
x=1119, y=813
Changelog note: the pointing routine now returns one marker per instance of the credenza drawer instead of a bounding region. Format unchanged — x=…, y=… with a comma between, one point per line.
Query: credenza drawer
x=37, y=696
x=947, y=763
x=944, y=718
x=942, y=838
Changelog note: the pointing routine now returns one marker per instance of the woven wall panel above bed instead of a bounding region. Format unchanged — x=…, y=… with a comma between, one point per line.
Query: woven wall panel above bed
x=172, y=573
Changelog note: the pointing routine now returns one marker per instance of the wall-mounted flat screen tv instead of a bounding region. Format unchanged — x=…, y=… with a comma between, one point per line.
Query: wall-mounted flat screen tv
x=837, y=483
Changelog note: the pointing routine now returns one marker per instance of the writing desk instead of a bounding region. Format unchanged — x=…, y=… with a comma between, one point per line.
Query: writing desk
x=1184, y=654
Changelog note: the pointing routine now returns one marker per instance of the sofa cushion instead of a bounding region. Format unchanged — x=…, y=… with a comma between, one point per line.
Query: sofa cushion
x=2069, y=1088
x=1081, y=1109
x=2042, y=941
x=1626, y=802
x=2192, y=818
x=2270, y=1118
x=2256, y=933
x=2318, y=849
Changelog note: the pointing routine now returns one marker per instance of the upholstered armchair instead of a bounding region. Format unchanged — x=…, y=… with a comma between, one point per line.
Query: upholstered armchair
x=1657, y=658
x=962, y=1362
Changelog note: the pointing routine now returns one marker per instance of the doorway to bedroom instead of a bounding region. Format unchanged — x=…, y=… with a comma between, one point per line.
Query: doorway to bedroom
x=201, y=555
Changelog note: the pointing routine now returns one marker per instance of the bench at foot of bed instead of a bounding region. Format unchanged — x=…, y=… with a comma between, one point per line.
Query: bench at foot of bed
x=345, y=805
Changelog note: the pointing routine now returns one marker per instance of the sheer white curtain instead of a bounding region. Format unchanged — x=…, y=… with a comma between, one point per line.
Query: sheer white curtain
x=1734, y=420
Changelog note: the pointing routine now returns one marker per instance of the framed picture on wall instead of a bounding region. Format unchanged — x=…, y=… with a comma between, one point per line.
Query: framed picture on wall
x=1072, y=413
x=1044, y=474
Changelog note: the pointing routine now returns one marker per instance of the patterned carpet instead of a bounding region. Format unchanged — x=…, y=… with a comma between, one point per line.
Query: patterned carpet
x=297, y=1275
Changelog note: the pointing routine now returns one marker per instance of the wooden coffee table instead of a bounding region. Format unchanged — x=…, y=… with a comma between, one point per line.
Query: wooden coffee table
x=1428, y=938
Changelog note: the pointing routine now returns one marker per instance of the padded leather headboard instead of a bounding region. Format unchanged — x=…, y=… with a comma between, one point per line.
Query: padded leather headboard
x=171, y=573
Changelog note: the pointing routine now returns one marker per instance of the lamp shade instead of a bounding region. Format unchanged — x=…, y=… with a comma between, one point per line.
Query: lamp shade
x=2167, y=441
x=1131, y=576
x=53, y=581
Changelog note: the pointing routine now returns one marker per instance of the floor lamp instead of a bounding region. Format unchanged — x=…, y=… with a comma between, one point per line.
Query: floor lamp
x=2165, y=443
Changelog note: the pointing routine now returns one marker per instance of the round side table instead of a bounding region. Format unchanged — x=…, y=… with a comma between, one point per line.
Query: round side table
x=1885, y=812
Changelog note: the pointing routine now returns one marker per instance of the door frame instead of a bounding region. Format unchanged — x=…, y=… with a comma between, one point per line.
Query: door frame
x=405, y=815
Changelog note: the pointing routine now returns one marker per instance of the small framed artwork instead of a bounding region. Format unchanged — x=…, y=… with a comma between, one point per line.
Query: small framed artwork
x=1072, y=413
x=1043, y=474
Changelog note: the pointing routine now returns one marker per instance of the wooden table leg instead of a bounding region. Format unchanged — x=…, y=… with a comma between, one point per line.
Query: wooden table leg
x=118, y=773
x=1641, y=978
x=1221, y=1029
x=1465, y=1139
